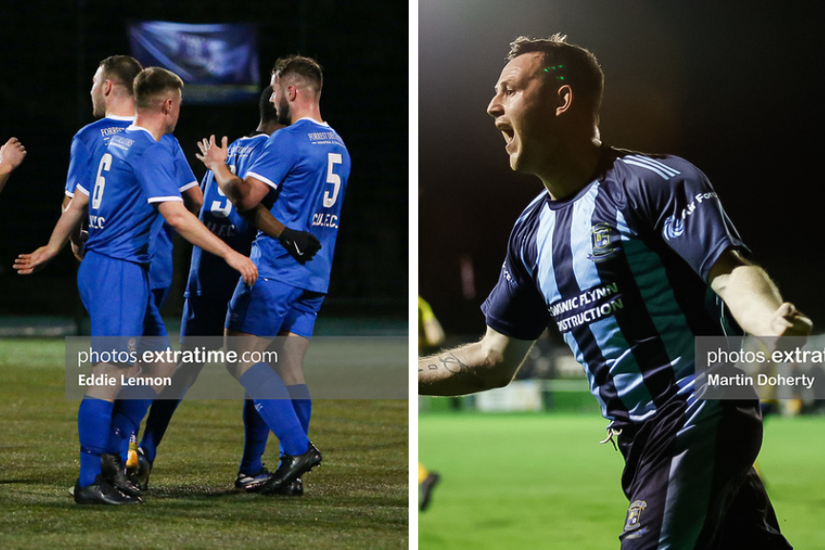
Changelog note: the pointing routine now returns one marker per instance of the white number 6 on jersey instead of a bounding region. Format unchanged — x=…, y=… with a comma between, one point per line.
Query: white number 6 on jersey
x=333, y=178
x=100, y=182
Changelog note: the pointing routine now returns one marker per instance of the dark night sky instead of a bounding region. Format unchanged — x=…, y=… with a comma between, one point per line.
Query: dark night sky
x=51, y=49
x=729, y=86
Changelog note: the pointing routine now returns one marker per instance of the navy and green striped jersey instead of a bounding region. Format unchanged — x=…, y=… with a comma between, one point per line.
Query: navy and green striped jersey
x=621, y=269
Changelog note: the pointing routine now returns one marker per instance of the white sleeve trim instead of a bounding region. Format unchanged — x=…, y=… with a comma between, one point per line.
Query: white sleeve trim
x=69, y=194
x=188, y=186
x=150, y=200
x=80, y=188
x=263, y=179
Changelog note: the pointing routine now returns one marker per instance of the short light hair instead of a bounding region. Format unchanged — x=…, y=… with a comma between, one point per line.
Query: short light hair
x=122, y=69
x=567, y=64
x=302, y=67
x=153, y=82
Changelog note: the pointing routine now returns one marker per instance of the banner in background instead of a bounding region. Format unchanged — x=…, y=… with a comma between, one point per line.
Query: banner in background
x=218, y=63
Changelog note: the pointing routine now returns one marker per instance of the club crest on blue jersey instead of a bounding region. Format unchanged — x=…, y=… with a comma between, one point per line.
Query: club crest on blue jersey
x=632, y=526
x=603, y=246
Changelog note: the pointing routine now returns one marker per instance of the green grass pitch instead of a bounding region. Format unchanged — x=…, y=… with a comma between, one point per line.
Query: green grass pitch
x=543, y=481
x=357, y=499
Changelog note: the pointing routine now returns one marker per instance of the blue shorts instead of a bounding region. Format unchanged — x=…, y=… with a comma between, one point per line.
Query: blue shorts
x=272, y=307
x=203, y=316
x=153, y=325
x=116, y=295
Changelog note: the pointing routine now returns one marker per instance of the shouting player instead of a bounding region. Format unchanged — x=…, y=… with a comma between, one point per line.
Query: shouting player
x=620, y=250
x=308, y=165
x=134, y=191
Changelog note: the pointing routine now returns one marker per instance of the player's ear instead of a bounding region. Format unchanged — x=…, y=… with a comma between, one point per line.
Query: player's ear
x=564, y=99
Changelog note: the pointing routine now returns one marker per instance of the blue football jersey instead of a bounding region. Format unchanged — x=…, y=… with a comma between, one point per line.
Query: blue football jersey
x=89, y=143
x=308, y=165
x=208, y=274
x=134, y=175
x=160, y=272
x=621, y=269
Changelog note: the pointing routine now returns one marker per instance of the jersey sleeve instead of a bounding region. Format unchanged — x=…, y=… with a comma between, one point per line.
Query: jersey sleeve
x=515, y=307
x=156, y=173
x=185, y=176
x=79, y=166
x=685, y=212
x=275, y=160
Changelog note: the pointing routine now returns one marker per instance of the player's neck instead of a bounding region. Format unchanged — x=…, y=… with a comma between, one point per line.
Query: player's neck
x=156, y=125
x=575, y=172
x=310, y=110
x=120, y=108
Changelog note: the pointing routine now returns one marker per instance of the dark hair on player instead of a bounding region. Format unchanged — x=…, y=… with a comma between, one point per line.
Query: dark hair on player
x=302, y=67
x=122, y=69
x=152, y=82
x=567, y=64
x=265, y=106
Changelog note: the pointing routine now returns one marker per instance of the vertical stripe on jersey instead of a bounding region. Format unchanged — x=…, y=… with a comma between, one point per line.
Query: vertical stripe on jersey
x=622, y=366
x=549, y=288
x=634, y=319
x=568, y=286
x=657, y=293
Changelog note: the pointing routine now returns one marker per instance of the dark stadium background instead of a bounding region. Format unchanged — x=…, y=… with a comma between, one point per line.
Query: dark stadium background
x=731, y=86
x=50, y=50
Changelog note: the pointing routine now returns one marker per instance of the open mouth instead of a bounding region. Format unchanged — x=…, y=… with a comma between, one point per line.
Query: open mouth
x=507, y=133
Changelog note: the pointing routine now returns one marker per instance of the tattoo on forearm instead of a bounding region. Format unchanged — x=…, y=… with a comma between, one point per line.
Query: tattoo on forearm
x=449, y=362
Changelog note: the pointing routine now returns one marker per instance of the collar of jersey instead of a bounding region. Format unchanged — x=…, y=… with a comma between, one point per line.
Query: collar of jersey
x=133, y=127
x=312, y=120
x=116, y=117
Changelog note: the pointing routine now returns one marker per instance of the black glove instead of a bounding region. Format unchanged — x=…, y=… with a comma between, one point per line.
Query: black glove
x=301, y=245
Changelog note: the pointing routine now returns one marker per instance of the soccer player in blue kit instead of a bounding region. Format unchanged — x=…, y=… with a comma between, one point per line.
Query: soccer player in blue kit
x=623, y=252
x=134, y=191
x=208, y=290
x=308, y=165
x=113, y=103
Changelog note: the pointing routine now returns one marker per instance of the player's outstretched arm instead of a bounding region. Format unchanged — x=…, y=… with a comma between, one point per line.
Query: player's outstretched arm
x=69, y=221
x=12, y=154
x=191, y=229
x=490, y=363
x=754, y=300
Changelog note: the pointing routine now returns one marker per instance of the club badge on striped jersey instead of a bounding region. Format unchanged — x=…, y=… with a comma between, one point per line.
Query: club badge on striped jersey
x=632, y=525
x=603, y=239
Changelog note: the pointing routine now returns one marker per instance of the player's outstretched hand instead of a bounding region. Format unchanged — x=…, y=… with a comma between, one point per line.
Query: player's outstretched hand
x=26, y=264
x=301, y=245
x=789, y=321
x=12, y=153
x=244, y=265
x=213, y=154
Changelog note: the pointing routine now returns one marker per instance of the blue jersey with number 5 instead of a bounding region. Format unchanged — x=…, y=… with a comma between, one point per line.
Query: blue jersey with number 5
x=308, y=166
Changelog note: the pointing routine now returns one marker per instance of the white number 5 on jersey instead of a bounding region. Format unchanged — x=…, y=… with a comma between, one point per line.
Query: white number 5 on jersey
x=333, y=178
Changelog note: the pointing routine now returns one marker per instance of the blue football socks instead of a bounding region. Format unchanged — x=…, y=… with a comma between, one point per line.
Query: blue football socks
x=94, y=417
x=272, y=401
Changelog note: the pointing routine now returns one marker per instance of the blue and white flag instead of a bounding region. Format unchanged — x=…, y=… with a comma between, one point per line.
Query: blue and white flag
x=218, y=63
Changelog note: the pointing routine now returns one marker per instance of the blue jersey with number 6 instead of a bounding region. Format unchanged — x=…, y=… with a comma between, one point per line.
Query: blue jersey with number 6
x=134, y=175
x=308, y=165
